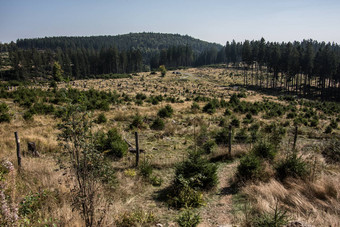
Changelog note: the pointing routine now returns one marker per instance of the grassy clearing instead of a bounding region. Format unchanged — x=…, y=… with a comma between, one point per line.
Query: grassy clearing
x=135, y=199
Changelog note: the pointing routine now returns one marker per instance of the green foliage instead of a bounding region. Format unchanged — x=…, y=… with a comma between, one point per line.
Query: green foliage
x=328, y=129
x=145, y=169
x=235, y=122
x=32, y=203
x=198, y=172
x=234, y=100
x=137, y=122
x=28, y=115
x=250, y=168
x=195, y=107
x=165, y=112
x=292, y=166
x=111, y=143
x=209, y=108
x=242, y=136
x=333, y=124
x=182, y=195
x=136, y=218
x=158, y=124
x=4, y=115
x=188, y=219
x=222, y=137
x=209, y=146
x=162, y=69
x=101, y=118
x=277, y=218
x=57, y=72
x=265, y=149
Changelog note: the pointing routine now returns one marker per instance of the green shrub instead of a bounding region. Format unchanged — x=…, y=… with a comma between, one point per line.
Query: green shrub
x=250, y=168
x=182, y=195
x=235, y=122
x=137, y=122
x=4, y=115
x=156, y=181
x=209, y=146
x=28, y=115
x=227, y=112
x=264, y=149
x=328, y=129
x=234, y=100
x=222, y=137
x=188, y=219
x=158, y=124
x=101, y=119
x=242, y=136
x=111, y=143
x=166, y=112
x=198, y=172
x=333, y=124
x=292, y=166
x=276, y=219
x=145, y=169
x=209, y=108
x=195, y=107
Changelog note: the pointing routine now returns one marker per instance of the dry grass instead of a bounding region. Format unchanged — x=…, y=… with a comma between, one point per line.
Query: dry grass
x=314, y=202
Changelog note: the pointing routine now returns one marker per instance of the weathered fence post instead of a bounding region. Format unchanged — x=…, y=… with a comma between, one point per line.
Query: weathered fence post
x=230, y=140
x=137, y=149
x=295, y=136
x=17, y=140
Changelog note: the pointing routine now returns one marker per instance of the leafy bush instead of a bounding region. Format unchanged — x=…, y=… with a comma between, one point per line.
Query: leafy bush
x=333, y=124
x=166, y=112
x=234, y=100
x=292, y=166
x=145, y=169
x=222, y=137
x=101, y=119
x=277, y=218
x=137, y=122
x=111, y=143
x=28, y=115
x=209, y=108
x=265, y=150
x=198, y=171
x=242, y=136
x=235, y=122
x=158, y=124
x=250, y=167
x=328, y=129
x=188, y=219
x=209, y=146
x=182, y=195
x=195, y=107
x=4, y=115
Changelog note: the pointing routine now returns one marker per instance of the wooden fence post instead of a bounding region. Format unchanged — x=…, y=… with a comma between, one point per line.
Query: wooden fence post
x=295, y=136
x=17, y=140
x=230, y=128
x=137, y=149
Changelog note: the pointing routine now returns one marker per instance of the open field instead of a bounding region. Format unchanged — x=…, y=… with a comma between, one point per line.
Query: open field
x=135, y=199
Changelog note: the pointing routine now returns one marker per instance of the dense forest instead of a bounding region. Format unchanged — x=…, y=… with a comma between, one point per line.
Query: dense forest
x=308, y=68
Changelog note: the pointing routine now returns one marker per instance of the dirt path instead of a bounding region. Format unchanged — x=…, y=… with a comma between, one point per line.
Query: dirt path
x=218, y=210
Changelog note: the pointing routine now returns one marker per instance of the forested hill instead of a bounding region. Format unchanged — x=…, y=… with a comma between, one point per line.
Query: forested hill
x=145, y=42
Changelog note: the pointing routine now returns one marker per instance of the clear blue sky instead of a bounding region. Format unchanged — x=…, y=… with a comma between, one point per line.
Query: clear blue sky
x=211, y=20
